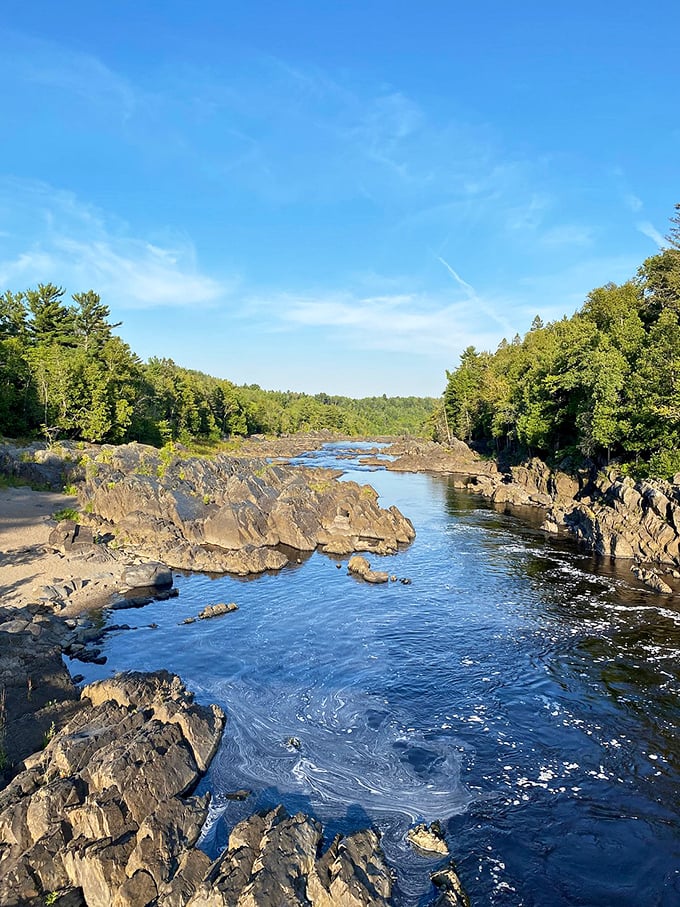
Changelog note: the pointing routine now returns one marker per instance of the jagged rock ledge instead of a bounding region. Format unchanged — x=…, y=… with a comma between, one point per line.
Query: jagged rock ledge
x=609, y=513
x=223, y=515
x=105, y=817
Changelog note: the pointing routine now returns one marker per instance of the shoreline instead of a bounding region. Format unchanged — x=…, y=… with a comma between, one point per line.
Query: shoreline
x=636, y=524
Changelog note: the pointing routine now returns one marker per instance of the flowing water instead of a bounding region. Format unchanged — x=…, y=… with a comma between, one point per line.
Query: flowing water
x=518, y=691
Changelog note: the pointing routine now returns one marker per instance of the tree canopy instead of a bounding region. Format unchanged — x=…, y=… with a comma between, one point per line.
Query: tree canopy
x=65, y=373
x=604, y=383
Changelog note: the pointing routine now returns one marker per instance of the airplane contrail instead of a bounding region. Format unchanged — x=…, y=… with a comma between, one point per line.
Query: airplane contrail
x=471, y=293
x=464, y=284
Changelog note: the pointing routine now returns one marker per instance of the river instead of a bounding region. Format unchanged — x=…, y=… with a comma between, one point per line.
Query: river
x=516, y=690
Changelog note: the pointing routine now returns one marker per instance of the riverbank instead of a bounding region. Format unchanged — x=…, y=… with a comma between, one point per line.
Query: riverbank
x=45, y=594
x=608, y=513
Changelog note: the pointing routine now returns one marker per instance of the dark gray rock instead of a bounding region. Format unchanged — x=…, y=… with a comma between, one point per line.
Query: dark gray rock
x=147, y=575
x=450, y=887
x=69, y=536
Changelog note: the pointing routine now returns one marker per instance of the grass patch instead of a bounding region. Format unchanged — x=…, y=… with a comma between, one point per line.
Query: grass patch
x=17, y=482
x=320, y=487
x=68, y=513
x=204, y=447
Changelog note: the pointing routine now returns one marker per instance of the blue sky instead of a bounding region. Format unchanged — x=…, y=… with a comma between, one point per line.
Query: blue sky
x=334, y=196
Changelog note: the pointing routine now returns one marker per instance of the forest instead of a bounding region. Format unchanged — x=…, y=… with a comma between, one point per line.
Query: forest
x=603, y=384
x=65, y=373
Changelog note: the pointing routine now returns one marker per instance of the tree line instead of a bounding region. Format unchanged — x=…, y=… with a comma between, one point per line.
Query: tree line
x=602, y=384
x=65, y=373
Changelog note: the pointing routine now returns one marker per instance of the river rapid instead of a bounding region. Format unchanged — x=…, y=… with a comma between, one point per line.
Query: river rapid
x=518, y=691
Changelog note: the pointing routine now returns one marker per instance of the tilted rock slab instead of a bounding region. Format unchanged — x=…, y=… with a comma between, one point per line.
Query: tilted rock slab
x=104, y=815
x=274, y=860
x=228, y=515
x=103, y=808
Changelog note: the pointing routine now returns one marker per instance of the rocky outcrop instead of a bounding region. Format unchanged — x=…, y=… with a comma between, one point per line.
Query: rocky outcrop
x=416, y=455
x=231, y=515
x=275, y=859
x=429, y=838
x=623, y=518
x=105, y=816
x=38, y=464
x=103, y=808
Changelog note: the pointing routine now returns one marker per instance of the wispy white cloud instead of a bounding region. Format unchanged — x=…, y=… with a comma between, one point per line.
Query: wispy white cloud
x=405, y=323
x=649, y=230
x=568, y=235
x=75, y=244
x=78, y=74
x=632, y=202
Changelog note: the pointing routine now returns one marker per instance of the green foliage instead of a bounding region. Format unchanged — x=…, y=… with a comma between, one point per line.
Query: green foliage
x=64, y=373
x=603, y=383
x=67, y=513
x=49, y=734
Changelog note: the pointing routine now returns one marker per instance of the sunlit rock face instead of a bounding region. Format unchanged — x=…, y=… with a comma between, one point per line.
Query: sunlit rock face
x=230, y=515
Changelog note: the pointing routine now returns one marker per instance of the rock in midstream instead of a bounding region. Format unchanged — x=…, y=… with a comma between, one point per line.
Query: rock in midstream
x=359, y=566
x=429, y=838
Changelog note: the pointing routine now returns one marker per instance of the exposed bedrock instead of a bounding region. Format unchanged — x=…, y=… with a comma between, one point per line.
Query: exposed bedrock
x=230, y=515
x=105, y=816
x=611, y=514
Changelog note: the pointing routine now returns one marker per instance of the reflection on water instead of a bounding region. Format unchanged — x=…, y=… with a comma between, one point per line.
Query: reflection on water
x=518, y=690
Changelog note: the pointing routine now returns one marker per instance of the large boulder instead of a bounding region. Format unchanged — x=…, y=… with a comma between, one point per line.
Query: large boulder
x=147, y=575
x=70, y=537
